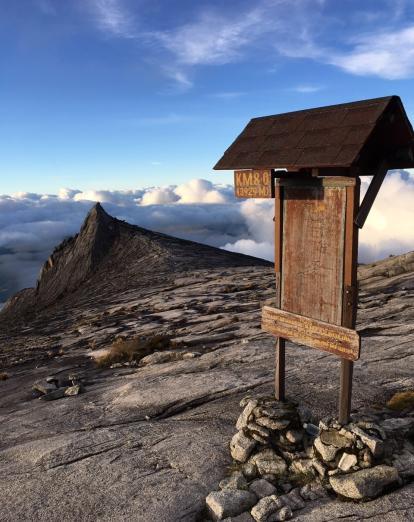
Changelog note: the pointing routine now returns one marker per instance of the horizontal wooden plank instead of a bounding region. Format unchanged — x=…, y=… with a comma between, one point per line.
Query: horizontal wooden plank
x=253, y=184
x=327, y=337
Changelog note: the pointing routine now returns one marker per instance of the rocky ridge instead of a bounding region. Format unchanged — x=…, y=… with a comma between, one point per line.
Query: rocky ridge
x=150, y=442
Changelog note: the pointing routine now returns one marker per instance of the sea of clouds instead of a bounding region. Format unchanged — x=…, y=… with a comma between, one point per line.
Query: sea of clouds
x=31, y=225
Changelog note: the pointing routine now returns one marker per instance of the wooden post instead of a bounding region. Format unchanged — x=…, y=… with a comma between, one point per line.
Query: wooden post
x=280, y=370
x=350, y=297
x=280, y=343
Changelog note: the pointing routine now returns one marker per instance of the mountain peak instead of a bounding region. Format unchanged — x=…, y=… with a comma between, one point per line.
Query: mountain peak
x=108, y=255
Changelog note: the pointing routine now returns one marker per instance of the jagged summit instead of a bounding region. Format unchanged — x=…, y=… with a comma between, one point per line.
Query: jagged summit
x=109, y=255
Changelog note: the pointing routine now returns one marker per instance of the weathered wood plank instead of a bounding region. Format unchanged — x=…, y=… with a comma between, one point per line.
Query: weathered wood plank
x=253, y=184
x=350, y=295
x=371, y=194
x=331, y=338
x=313, y=242
x=280, y=343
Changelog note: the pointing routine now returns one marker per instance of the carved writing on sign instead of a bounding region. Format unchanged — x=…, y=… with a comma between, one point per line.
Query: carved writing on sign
x=253, y=184
x=331, y=338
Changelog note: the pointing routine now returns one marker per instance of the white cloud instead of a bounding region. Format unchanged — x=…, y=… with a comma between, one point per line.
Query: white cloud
x=377, y=45
x=263, y=249
x=32, y=224
x=159, y=196
x=213, y=38
x=389, y=228
x=307, y=89
x=384, y=54
x=112, y=18
x=199, y=191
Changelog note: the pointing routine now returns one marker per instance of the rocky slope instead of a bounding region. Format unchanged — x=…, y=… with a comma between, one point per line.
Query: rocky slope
x=149, y=443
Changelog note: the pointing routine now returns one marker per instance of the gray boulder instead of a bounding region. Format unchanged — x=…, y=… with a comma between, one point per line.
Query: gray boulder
x=262, y=488
x=269, y=462
x=245, y=414
x=241, y=446
x=327, y=452
x=266, y=507
x=364, y=484
x=229, y=503
x=235, y=481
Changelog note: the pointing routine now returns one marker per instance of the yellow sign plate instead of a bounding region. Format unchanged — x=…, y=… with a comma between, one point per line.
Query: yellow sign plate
x=253, y=184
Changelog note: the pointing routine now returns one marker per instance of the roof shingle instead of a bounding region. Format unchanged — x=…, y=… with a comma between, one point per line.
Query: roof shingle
x=360, y=134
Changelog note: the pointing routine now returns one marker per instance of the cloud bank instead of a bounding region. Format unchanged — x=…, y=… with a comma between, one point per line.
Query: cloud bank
x=32, y=224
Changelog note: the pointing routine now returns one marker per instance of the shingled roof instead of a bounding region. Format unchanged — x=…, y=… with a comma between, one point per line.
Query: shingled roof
x=358, y=134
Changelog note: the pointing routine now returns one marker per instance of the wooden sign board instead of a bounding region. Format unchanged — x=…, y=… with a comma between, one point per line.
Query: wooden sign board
x=253, y=184
x=312, y=251
x=338, y=340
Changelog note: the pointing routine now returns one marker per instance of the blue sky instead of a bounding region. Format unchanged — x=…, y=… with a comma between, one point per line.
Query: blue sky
x=119, y=94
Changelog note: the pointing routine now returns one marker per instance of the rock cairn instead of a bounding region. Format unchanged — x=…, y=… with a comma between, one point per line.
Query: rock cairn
x=281, y=461
x=54, y=387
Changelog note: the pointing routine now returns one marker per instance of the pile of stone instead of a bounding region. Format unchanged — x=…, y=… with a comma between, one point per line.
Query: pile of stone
x=281, y=461
x=54, y=387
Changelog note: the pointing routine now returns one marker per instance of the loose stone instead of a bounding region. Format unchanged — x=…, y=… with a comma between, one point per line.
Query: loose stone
x=364, y=484
x=293, y=500
x=43, y=387
x=253, y=427
x=235, y=481
x=285, y=513
x=273, y=424
x=320, y=468
x=54, y=394
x=229, y=503
x=258, y=438
x=334, y=438
x=249, y=470
x=266, y=507
x=267, y=461
x=374, y=443
x=73, y=390
x=294, y=436
x=328, y=453
x=241, y=447
x=347, y=461
x=245, y=415
x=262, y=488
x=303, y=466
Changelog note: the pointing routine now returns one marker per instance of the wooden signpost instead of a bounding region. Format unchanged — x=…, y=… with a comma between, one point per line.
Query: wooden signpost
x=317, y=215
